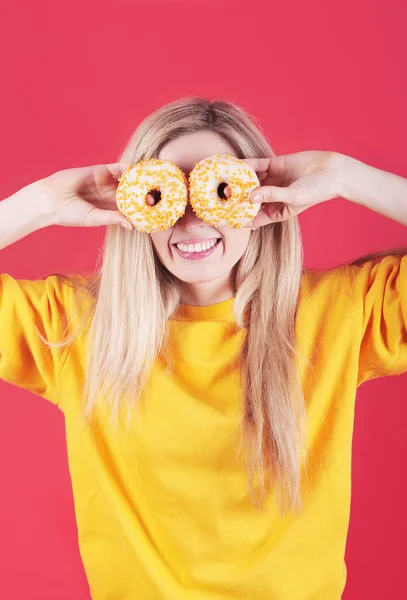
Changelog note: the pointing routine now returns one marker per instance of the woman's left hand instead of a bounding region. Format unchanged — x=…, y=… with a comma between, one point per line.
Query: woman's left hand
x=291, y=183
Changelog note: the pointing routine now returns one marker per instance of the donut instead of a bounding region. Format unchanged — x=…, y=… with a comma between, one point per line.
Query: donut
x=204, y=181
x=144, y=177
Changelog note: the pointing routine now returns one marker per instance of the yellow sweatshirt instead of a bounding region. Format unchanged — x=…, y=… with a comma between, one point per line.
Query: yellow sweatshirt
x=163, y=513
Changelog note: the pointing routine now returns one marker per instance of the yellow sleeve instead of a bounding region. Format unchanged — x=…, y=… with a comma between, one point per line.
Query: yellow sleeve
x=381, y=293
x=25, y=360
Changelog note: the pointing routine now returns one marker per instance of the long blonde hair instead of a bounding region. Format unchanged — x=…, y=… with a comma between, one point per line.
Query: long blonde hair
x=133, y=296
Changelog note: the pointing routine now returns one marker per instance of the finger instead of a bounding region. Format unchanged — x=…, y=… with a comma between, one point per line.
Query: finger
x=260, y=165
x=271, y=213
x=263, y=194
x=260, y=219
x=270, y=193
x=275, y=168
x=98, y=217
x=117, y=169
x=150, y=200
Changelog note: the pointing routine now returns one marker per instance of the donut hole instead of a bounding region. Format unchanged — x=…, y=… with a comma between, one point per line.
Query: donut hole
x=156, y=195
x=221, y=191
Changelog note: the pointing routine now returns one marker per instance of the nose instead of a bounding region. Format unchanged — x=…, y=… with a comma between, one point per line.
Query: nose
x=189, y=221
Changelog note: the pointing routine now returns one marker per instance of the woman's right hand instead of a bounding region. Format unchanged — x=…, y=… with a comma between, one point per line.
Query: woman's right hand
x=83, y=196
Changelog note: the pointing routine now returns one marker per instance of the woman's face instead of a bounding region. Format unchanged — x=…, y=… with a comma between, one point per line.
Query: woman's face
x=217, y=266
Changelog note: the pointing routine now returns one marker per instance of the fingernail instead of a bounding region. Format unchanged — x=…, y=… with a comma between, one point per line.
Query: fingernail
x=258, y=197
x=127, y=226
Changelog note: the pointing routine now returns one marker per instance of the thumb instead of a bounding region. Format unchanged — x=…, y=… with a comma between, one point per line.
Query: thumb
x=117, y=169
x=98, y=217
x=270, y=193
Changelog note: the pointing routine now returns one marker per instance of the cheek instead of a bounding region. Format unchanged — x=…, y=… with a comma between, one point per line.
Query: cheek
x=237, y=241
x=160, y=240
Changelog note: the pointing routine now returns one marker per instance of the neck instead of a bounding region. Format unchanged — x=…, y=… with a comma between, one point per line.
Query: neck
x=208, y=292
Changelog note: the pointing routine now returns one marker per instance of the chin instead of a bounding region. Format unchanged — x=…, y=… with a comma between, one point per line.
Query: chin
x=196, y=278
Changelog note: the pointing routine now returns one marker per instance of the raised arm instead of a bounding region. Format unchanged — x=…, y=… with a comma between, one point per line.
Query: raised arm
x=22, y=213
x=78, y=197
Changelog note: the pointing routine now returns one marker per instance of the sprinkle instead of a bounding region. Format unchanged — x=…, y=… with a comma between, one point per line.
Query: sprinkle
x=205, y=178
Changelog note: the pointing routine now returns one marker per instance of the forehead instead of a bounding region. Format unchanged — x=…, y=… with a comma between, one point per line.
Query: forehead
x=189, y=149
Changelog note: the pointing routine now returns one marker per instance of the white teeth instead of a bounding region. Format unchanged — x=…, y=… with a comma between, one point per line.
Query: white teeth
x=196, y=247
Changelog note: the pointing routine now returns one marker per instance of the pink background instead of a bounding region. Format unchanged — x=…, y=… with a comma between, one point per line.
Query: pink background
x=77, y=78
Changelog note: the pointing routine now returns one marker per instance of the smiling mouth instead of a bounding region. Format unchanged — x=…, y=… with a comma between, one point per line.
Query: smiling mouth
x=197, y=250
x=197, y=245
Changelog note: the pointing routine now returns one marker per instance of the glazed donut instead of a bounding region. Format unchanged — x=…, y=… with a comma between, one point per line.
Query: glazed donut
x=140, y=179
x=204, y=181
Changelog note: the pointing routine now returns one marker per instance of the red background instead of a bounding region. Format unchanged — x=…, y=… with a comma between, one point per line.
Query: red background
x=77, y=78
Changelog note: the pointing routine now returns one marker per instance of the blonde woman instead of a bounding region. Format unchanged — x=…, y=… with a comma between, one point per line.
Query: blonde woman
x=208, y=403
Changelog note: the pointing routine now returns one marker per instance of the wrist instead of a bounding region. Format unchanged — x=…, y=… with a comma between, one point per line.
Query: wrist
x=22, y=213
x=342, y=170
x=352, y=176
x=376, y=189
x=33, y=202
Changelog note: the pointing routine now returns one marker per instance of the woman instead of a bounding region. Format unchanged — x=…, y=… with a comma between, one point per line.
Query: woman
x=237, y=373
